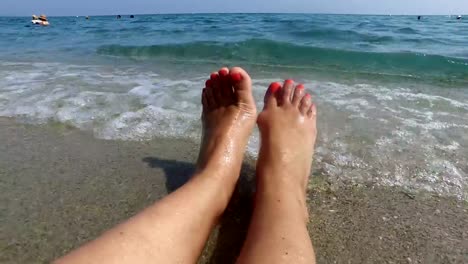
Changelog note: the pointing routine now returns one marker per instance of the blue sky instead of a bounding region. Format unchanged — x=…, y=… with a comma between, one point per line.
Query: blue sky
x=95, y=7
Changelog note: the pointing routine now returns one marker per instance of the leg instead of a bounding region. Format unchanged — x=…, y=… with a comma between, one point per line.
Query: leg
x=278, y=231
x=175, y=229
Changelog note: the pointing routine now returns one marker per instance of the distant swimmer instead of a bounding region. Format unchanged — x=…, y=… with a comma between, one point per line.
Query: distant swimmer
x=119, y=16
x=459, y=17
x=87, y=17
x=44, y=20
x=419, y=17
x=132, y=16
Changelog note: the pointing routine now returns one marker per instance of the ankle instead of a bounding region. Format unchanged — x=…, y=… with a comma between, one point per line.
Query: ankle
x=288, y=203
x=219, y=182
x=281, y=180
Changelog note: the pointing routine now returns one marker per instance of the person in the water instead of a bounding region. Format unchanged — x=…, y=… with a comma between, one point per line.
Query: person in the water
x=175, y=229
x=43, y=18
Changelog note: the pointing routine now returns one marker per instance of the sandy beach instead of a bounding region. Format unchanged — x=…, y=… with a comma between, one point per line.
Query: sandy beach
x=61, y=187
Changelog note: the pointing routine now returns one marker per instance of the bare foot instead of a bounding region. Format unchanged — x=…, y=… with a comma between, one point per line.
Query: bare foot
x=288, y=131
x=175, y=229
x=229, y=115
x=278, y=229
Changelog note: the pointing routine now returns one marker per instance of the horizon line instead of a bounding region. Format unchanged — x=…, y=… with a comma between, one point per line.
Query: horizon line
x=266, y=13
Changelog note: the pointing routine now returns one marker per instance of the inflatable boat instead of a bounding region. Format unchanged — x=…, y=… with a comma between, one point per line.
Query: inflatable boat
x=41, y=20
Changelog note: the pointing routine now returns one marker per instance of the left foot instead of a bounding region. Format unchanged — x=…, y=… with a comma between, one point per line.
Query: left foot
x=229, y=116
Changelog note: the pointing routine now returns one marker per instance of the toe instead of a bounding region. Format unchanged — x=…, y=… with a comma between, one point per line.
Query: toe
x=208, y=95
x=298, y=95
x=216, y=88
x=287, y=91
x=306, y=102
x=242, y=85
x=227, y=94
x=204, y=100
x=271, y=95
x=312, y=113
x=224, y=72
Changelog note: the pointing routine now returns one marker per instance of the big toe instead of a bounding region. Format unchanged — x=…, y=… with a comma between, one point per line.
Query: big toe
x=242, y=84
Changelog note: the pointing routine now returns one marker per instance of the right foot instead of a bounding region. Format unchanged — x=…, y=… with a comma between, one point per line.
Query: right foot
x=228, y=117
x=288, y=131
x=278, y=231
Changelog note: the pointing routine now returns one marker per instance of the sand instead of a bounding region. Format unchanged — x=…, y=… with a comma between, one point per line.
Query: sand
x=60, y=187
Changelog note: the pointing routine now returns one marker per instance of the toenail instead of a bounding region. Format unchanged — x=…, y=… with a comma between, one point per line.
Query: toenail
x=300, y=86
x=274, y=87
x=289, y=81
x=307, y=96
x=214, y=76
x=236, y=77
x=208, y=83
x=223, y=72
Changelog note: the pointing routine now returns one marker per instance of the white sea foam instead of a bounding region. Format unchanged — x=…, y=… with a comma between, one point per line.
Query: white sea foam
x=392, y=136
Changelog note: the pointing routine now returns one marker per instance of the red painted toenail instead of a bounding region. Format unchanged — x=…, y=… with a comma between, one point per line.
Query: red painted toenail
x=300, y=86
x=213, y=76
x=289, y=81
x=208, y=83
x=307, y=95
x=223, y=72
x=274, y=87
x=236, y=77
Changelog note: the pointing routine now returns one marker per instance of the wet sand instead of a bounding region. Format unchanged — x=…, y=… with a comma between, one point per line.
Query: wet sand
x=60, y=187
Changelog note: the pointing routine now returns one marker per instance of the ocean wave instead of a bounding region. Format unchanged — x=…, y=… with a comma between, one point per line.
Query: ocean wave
x=98, y=31
x=342, y=35
x=133, y=29
x=407, y=30
x=268, y=52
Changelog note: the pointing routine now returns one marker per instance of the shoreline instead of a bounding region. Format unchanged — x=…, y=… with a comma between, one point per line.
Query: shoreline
x=62, y=187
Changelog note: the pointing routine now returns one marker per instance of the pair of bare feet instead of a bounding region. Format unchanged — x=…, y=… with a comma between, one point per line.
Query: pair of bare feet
x=288, y=131
x=287, y=125
x=175, y=229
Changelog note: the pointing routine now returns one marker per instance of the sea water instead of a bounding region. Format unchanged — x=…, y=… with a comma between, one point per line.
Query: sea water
x=392, y=91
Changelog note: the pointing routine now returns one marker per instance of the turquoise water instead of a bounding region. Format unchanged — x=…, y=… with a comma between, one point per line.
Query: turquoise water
x=434, y=48
x=392, y=90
